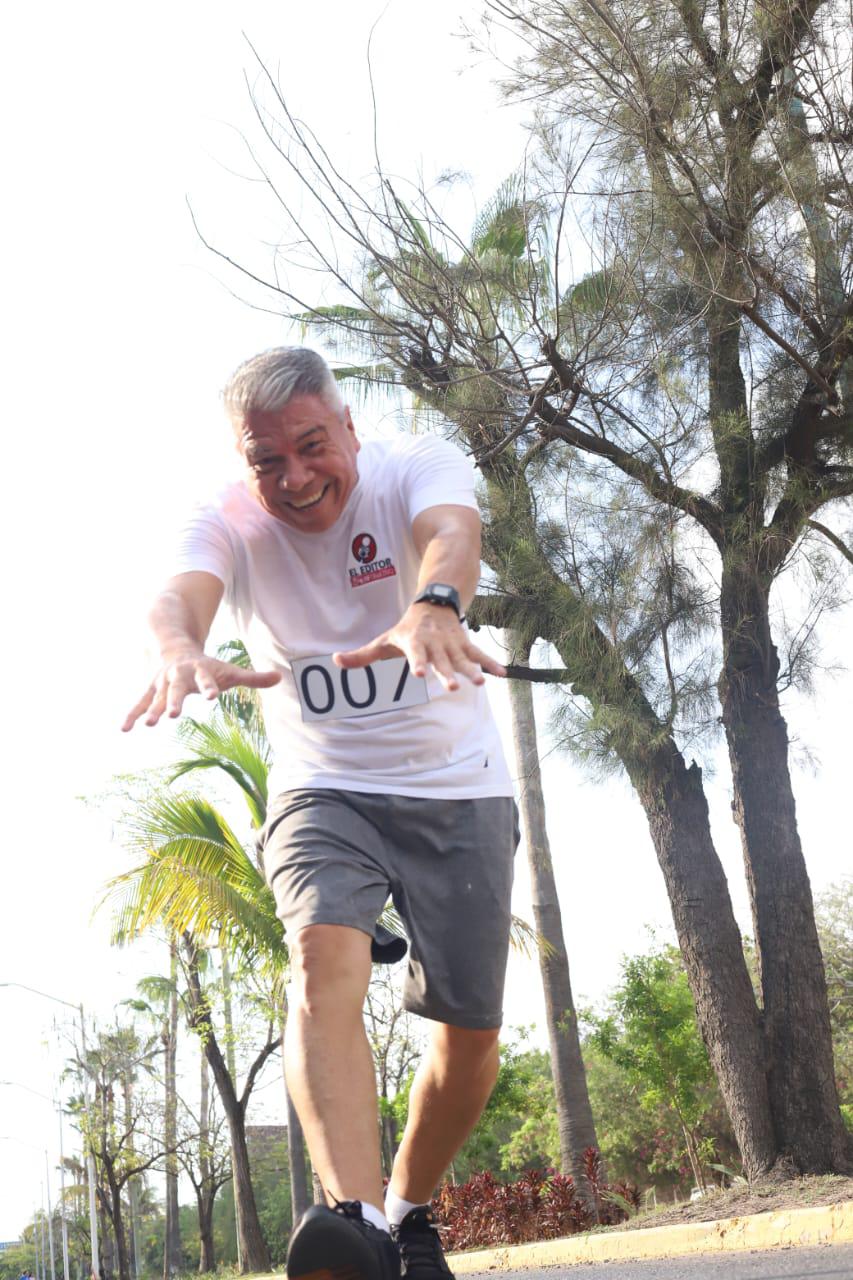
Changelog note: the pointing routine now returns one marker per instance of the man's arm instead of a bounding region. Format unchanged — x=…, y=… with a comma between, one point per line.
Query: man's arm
x=180, y=620
x=448, y=541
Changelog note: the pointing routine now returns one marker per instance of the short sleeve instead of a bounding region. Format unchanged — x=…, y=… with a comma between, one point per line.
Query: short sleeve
x=435, y=473
x=204, y=546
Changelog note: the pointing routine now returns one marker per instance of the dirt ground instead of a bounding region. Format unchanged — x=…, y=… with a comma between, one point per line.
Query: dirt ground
x=741, y=1199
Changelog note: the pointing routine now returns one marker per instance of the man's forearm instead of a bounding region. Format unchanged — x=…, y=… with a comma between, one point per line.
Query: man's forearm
x=176, y=628
x=454, y=559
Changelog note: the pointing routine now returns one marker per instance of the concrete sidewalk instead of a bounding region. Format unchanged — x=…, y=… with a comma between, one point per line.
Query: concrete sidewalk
x=826, y=1224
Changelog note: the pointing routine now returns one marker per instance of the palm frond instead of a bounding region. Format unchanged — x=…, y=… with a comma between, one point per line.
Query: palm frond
x=363, y=383
x=235, y=652
x=330, y=321
x=591, y=295
x=338, y=313
x=504, y=222
x=240, y=703
x=390, y=918
x=377, y=372
x=156, y=989
x=415, y=226
x=196, y=877
x=240, y=751
x=525, y=940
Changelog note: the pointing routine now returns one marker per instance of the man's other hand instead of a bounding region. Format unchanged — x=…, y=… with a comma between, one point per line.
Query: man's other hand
x=429, y=636
x=192, y=673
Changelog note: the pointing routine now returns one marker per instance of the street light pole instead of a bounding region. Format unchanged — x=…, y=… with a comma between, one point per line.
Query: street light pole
x=39, y=1269
x=39, y=1239
x=90, y=1160
x=49, y=1217
x=90, y=1157
x=43, y=1249
x=35, y=1234
x=65, y=1269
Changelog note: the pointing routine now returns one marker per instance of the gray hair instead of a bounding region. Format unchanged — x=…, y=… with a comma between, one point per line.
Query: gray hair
x=267, y=382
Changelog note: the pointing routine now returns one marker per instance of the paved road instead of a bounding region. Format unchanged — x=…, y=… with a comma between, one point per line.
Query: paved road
x=830, y=1262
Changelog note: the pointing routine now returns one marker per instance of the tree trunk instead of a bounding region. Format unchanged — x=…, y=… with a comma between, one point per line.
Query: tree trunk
x=574, y=1112
x=108, y=1251
x=801, y=1077
x=116, y=1217
x=388, y=1141
x=121, y=1239
x=231, y=1062
x=135, y=1227
x=253, y=1247
x=172, y=1259
x=693, y=1157
x=675, y=806
x=107, y=1243
x=253, y=1250
x=300, y=1195
x=132, y=1183
x=677, y=811
x=206, y=1197
x=207, y=1254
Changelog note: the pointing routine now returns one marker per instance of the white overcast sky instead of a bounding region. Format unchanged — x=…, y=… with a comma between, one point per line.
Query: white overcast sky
x=119, y=332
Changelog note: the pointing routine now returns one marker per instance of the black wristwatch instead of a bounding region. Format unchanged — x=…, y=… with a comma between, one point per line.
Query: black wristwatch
x=440, y=593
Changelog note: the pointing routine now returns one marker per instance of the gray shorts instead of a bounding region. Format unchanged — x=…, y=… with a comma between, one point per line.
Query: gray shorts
x=333, y=857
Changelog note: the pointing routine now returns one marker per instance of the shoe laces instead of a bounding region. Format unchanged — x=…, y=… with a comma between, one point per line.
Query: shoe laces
x=420, y=1243
x=352, y=1209
x=348, y=1208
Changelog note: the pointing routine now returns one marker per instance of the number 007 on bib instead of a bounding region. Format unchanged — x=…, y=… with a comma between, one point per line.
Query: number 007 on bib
x=329, y=692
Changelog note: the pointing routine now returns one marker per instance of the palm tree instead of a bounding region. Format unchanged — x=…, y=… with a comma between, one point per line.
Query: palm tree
x=197, y=880
x=235, y=742
x=575, y=1122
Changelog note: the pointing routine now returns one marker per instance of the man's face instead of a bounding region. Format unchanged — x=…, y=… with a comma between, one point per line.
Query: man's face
x=301, y=461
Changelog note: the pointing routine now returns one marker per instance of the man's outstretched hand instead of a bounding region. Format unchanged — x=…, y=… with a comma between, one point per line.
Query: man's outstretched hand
x=193, y=673
x=429, y=636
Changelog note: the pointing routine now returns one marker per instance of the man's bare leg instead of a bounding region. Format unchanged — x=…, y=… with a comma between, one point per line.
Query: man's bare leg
x=451, y=1087
x=328, y=1063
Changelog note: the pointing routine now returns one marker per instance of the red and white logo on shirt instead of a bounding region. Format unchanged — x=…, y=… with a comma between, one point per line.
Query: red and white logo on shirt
x=369, y=568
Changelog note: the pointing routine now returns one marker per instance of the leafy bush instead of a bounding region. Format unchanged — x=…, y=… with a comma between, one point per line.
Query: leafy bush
x=538, y=1206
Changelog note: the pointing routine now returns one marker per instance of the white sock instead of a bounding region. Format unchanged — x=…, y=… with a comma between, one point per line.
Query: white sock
x=396, y=1207
x=374, y=1216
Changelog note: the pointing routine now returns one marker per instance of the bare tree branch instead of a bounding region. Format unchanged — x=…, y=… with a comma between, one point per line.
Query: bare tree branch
x=837, y=542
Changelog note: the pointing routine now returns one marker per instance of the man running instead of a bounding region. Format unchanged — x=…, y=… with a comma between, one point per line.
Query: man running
x=348, y=569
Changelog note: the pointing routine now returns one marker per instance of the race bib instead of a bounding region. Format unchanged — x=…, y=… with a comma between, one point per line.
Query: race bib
x=329, y=692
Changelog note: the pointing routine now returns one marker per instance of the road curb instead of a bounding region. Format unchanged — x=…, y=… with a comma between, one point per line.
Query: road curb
x=826, y=1224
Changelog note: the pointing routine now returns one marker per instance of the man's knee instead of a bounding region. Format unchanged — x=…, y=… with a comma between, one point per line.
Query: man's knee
x=329, y=969
x=467, y=1047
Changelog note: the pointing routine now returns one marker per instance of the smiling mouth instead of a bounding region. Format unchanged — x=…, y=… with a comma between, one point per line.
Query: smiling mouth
x=307, y=502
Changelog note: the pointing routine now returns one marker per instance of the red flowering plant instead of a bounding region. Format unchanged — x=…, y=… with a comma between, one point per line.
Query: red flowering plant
x=538, y=1206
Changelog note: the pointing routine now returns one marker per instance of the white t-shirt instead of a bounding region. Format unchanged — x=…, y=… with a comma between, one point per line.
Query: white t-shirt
x=299, y=597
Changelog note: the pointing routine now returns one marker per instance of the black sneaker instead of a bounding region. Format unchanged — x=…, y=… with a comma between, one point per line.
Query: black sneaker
x=337, y=1244
x=420, y=1248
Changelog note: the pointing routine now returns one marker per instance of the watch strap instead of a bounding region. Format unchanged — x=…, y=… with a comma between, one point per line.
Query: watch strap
x=440, y=593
